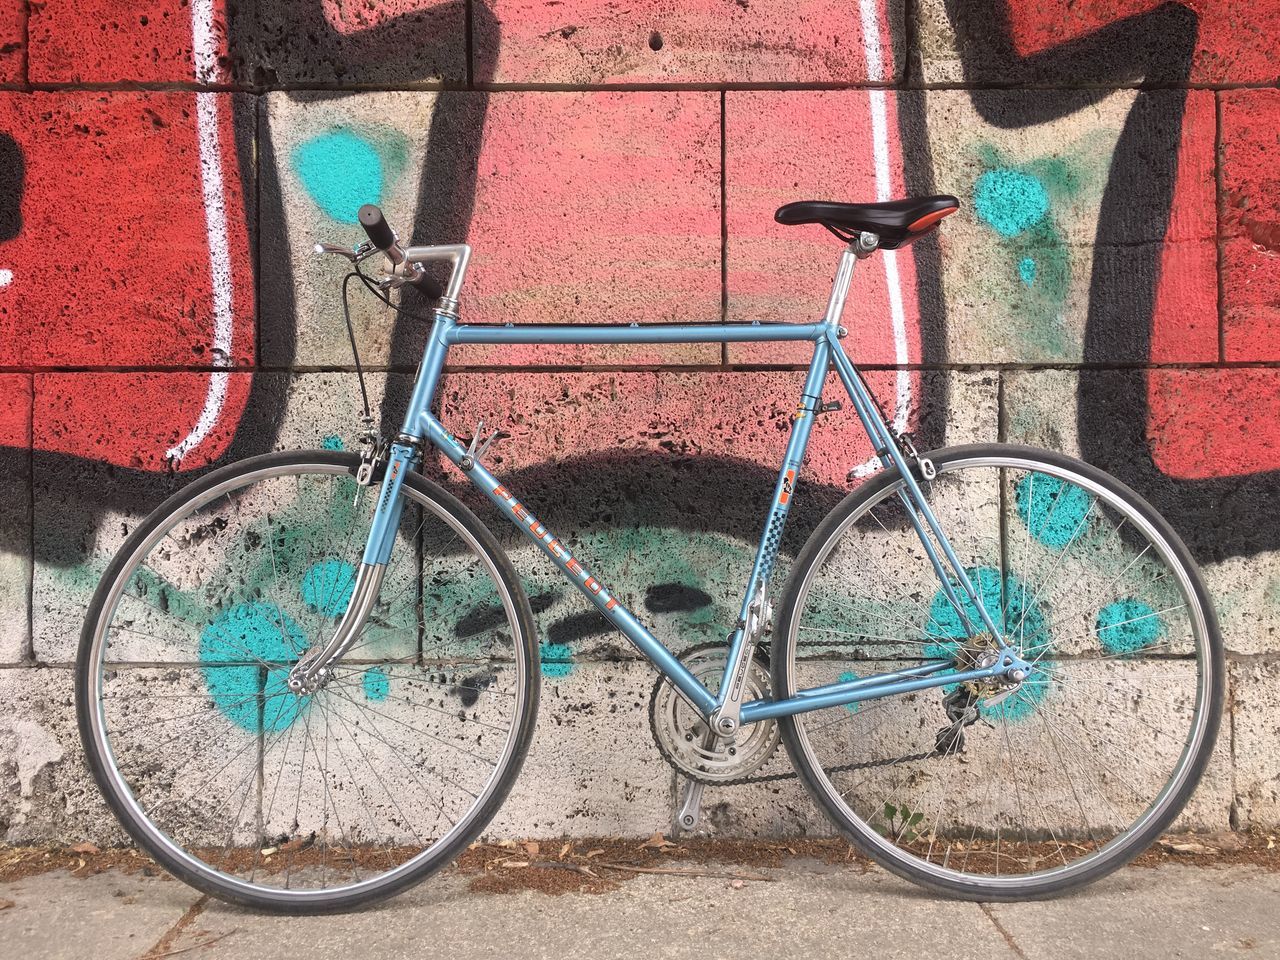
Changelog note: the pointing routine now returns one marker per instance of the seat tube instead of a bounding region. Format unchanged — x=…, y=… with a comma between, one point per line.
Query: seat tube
x=728, y=699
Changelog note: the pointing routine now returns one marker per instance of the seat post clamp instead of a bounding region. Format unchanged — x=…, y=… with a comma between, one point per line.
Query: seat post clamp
x=865, y=244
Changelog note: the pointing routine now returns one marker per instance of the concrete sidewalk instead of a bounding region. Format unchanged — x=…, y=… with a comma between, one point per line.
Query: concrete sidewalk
x=810, y=909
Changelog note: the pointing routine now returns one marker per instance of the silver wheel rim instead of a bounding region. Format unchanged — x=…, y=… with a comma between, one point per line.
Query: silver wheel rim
x=1119, y=846
x=160, y=838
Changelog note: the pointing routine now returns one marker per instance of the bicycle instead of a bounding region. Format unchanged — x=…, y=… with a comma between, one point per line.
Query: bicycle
x=309, y=679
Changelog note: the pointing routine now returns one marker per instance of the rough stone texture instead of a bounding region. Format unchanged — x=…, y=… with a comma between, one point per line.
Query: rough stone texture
x=1255, y=684
x=138, y=293
x=106, y=41
x=656, y=41
x=1250, y=225
x=161, y=315
x=592, y=769
x=1039, y=413
x=593, y=207
x=814, y=145
x=15, y=518
x=640, y=515
x=1101, y=41
x=87, y=512
x=1020, y=259
x=394, y=43
x=13, y=20
x=1213, y=423
x=47, y=791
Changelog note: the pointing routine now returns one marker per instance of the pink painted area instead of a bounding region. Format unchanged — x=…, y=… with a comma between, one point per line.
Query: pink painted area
x=745, y=415
x=593, y=208
x=1221, y=423
x=1184, y=327
x=15, y=410
x=1251, y=225
x=351, y=18
x=1214, y=423
x=101, y=41
x=1235, y=44
x=808, y=145
x=13, y=16
x=111, y=266
x=710, y=41
x=130, y=419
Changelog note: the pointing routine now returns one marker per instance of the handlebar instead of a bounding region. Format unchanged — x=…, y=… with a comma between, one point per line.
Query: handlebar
x=384, y=238
x=406, y=263
x=375, y=225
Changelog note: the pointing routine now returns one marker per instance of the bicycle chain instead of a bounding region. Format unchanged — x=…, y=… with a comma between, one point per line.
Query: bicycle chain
x=842, y=768
x=763, y=651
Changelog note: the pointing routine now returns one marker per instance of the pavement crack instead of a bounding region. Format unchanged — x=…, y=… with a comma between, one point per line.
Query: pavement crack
x=1008, y=937
x=163, y=946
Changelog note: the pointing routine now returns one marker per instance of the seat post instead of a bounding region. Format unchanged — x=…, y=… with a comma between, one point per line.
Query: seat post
x=849, y=258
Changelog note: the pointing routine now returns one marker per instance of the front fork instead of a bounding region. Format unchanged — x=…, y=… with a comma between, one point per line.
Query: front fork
x=313, y=671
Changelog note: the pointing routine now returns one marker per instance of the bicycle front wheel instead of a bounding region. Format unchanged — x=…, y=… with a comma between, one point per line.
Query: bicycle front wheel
x=1002, y=790
x=305, y=803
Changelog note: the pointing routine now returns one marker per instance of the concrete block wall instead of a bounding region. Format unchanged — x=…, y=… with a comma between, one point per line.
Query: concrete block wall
x=1111, y=287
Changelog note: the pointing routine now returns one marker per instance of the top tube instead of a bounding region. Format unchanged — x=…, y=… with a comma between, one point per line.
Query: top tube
x=751, y=332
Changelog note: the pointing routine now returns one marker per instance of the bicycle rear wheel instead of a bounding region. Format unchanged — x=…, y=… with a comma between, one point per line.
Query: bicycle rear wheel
x=325, y=801
x=1016, y=791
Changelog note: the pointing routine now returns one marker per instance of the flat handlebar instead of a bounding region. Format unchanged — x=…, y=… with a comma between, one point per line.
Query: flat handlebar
x=375, y=225
x=384, y=238
x=404, y=265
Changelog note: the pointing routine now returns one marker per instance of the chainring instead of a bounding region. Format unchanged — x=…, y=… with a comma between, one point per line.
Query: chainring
x=680, y=732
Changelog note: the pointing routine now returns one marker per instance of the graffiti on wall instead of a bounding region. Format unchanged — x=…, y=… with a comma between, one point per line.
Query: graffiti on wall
x=157, y=351
x=1196, y=442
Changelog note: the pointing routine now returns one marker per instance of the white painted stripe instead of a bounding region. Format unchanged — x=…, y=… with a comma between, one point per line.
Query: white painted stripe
x=870, y=13
x=6, y=277
x=204, y=45
x=869, y=10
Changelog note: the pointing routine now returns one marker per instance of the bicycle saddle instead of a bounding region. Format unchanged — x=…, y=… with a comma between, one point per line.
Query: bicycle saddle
x=897, y=222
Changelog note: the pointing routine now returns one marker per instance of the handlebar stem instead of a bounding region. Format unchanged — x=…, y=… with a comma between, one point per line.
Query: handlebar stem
x=457, y=255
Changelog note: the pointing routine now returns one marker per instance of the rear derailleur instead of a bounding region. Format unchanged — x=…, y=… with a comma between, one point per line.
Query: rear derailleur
x=961, y=705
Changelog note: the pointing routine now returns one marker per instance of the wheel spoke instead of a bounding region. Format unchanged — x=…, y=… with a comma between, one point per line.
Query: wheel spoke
x=1047, y=774
x=356, y=786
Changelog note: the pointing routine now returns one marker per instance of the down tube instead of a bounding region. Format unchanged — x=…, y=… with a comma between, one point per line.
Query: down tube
x=582, y=578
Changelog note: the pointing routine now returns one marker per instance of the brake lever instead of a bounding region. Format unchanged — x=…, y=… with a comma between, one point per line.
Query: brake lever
x=362, y=252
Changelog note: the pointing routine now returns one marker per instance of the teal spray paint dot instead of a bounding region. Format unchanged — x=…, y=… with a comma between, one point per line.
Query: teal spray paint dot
x=1010, y=201
x=331, y=442
x=252, y=631
x=847, y=677
x=1023, y=623
x=557, y=661
x=1027, y=270
x=1128, y=626
x=341, y=172
x=1053, y=509
x=327, y=586
x=377, y=685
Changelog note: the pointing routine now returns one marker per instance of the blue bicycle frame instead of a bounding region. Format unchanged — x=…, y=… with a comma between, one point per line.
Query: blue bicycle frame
x=421, y=426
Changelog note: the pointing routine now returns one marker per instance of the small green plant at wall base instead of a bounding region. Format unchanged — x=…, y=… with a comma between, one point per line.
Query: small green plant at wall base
x=900, y=822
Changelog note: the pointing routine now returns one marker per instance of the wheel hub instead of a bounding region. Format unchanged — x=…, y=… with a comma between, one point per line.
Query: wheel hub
x=686, y=740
